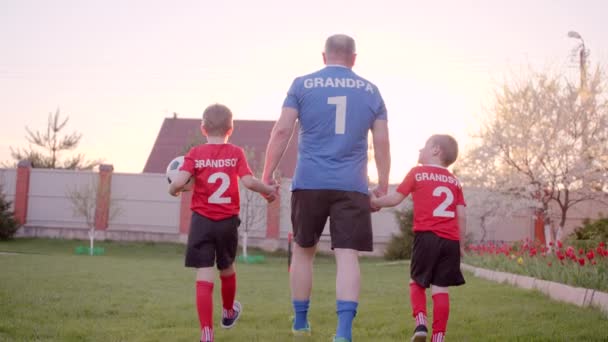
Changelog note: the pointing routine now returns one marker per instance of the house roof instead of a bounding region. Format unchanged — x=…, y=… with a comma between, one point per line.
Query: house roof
x=177, y=135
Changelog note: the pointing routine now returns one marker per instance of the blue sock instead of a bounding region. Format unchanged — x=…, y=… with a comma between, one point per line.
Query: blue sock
x=300, y=308
x=346, y=313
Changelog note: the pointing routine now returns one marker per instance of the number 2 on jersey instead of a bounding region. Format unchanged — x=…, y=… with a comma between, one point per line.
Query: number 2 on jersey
x=340, y=102
x=441, y=211
x=216, y=197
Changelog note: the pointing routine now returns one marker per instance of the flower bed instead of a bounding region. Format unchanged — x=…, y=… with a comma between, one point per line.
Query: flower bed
x=587, y=268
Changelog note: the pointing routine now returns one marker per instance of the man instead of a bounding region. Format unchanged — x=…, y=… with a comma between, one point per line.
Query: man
x=336, y=109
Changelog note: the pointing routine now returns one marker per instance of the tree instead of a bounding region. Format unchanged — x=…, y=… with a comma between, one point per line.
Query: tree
x=400, y=245
x=545, y=141
x=50, y=145
x=253, y=206
x=84, y=203
x=8, y=224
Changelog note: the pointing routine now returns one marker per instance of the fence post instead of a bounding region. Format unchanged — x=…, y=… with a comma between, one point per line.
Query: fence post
x=22, y=190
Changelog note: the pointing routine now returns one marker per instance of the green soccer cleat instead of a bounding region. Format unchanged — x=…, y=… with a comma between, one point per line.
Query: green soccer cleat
x=306, y=331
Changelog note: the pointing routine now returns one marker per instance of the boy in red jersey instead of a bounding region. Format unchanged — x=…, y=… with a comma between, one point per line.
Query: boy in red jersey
x=439, y=231
x=213, y=238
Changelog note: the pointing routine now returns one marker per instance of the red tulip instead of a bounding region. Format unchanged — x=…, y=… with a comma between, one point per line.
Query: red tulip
x=559, y=244
x=581, y=251
x=593, y=262
x=581, y=261
x=590, y=255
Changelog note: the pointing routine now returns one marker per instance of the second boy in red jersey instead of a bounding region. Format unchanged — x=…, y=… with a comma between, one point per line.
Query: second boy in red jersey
x=439, y=231
x=213, y=239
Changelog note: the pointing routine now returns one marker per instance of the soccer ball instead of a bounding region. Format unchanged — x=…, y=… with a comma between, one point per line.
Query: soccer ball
x=173, y=168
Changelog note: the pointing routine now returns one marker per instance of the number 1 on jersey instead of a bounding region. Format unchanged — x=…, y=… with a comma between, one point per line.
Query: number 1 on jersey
x=340, y=102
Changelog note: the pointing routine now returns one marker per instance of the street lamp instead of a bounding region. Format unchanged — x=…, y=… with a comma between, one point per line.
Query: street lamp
x=582, y=58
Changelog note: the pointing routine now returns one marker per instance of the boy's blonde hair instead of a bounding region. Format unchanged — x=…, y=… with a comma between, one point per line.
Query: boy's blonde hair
x=448, y=147
x=217, y=120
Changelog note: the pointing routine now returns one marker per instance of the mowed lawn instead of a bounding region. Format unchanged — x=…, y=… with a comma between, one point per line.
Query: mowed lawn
x=142, y=292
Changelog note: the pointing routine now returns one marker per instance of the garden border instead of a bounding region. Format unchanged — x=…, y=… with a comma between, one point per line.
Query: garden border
x=561, y=292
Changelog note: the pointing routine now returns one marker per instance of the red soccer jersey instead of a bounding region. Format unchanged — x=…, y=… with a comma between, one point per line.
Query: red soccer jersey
x=216, y=168
x=436, y=193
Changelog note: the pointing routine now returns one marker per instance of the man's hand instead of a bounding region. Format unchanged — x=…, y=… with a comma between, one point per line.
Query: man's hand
x=274, y=194
x=372, y=197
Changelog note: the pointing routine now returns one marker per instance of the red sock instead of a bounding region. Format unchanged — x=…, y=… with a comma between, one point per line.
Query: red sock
x=228, y=293
x=418, y=300
x=441, y=312
x=204, y=306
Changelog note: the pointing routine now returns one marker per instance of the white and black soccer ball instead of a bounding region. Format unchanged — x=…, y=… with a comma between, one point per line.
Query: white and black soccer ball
x=173, y=168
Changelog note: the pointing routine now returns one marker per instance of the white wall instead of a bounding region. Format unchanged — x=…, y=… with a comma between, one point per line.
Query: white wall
x=140, y=202
x=49, y=204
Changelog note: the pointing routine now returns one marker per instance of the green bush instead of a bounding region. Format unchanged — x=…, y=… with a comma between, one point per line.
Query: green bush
x=8, y=224
x=400, y=245
x=592, y=230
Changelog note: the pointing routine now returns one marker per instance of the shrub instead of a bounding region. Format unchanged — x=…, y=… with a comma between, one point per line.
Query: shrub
x=8, y=224
x=400, y=244
x=592, y=230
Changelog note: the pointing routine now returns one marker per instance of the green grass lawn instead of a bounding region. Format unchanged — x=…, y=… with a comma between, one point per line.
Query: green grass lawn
x=142, y=292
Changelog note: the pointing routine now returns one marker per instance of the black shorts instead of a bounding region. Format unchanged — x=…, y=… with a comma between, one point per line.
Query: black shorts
x=435, y=261
x=211, y=242
x=350, y=223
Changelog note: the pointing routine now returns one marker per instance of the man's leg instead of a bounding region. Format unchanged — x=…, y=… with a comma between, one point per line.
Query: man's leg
x=300, y=279
x=348, y=285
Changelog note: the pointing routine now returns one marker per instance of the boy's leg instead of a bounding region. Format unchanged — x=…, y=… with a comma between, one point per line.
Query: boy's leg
x=227, y=239
x=418, y=301
x=446, y=273
x=441, y=312
x=204, y=301
x=200, y=254
x=228, y=279
x=300, y=279
x=424, y=256
x=348, y=284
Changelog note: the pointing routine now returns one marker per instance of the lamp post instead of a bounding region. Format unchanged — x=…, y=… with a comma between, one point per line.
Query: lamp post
x=582, y=53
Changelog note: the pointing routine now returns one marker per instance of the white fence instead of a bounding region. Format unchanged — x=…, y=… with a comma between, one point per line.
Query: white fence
x=141, y=209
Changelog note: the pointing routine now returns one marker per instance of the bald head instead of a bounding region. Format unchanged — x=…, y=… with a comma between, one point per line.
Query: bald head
x=340, y=49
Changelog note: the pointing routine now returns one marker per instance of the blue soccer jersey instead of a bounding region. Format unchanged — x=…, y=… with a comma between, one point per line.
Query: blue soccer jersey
x=336, y=109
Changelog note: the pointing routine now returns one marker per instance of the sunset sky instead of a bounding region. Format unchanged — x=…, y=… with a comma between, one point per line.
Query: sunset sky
x=118, y=68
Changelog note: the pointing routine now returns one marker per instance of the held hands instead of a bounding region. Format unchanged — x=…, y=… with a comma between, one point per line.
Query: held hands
x=374, y=193
x=273, y=190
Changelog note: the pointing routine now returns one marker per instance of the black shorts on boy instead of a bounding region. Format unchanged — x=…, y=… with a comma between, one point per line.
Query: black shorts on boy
x=435, y=261
x=212, y=242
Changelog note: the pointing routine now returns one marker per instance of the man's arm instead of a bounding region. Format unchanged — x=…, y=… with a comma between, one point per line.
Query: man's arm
x=461, y=213
x=279, y=138
x=382, y=154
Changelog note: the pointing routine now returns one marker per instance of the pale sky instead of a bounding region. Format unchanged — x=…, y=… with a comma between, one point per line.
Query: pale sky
x=117, y=68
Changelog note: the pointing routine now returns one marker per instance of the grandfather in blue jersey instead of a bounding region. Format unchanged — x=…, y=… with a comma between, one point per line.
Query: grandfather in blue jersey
x=336, y=109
